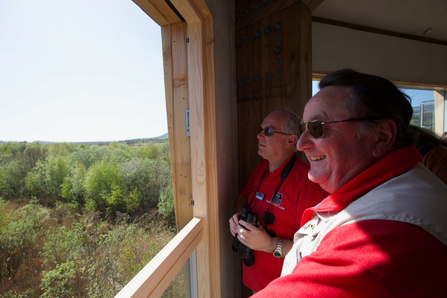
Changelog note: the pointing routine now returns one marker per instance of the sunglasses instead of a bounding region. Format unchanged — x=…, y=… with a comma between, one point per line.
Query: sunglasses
x=316, y=127
x=268, y=131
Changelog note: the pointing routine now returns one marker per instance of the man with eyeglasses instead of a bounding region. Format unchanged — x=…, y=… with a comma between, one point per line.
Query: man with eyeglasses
x=382, y=231
x=278, y=192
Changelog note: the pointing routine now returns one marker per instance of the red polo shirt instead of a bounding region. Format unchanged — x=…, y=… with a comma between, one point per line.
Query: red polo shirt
x=296, y=194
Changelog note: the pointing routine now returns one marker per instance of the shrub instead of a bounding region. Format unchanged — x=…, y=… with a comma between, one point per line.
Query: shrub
x=56, y=170
x=98, y=184
x=19, y=248
x=35, y=180
x=73, y=189
x=12, y=177
x=166, y=203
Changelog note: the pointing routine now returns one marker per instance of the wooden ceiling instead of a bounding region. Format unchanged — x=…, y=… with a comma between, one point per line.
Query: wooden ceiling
x=423, y=19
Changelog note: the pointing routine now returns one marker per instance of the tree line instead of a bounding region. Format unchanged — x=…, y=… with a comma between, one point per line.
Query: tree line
x=107, y=179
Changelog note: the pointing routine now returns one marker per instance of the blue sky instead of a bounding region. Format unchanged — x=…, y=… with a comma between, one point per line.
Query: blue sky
x=86, y=70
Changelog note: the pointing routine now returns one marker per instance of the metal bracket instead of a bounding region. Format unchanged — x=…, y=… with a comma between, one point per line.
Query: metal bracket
x=192, y=202
x=187, y=40
x=187, y=123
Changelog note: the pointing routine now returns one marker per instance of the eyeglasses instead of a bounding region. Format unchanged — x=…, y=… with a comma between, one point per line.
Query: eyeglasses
x=268, y=131
x=316, y=127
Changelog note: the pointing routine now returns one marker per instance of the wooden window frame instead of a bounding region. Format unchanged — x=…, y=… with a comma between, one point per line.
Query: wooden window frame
x=202, y=232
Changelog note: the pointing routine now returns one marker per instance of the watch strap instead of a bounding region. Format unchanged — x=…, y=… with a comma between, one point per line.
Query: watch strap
x=278, y=250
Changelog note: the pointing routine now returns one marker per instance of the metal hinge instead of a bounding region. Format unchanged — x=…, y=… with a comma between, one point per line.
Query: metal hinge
x=192, y=202
x=187, y=123
x=187, y=40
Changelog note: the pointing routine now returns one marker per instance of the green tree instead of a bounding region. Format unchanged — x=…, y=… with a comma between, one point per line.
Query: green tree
x=61, y=281
x=88, y=155
x=164, y=153
x=120, y=152
x=35, y=183
x=117, y=201
x=13, y=148
x=35, y=152
x=73, y=189
x=148, y=176
x=57, y=169
x=166, y=203
x=98, y=184
x=12, y=179
x=59, y=149
x=150, y=151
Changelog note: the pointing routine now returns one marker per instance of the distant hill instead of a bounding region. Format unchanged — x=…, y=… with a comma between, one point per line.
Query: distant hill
x=160, y=139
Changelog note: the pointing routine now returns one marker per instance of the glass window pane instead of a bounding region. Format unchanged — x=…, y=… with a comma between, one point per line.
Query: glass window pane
x=423, y=105
x=427, y=114
x=179, y=287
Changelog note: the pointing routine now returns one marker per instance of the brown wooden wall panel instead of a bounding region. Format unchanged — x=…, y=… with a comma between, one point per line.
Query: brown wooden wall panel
x=249, y=12
x=273, y=68
x=248, y=143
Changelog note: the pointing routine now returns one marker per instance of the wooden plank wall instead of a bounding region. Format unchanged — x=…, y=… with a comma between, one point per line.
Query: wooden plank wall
x=273, y=65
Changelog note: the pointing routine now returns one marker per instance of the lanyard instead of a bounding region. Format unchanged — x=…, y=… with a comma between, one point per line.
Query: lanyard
x=284, y=174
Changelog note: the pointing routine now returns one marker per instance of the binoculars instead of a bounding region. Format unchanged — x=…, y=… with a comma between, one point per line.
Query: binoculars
x=245, y=252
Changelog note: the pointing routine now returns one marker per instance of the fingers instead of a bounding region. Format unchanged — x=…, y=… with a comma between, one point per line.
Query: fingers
x=234, y=222
x=248, y=225
x=254, y=237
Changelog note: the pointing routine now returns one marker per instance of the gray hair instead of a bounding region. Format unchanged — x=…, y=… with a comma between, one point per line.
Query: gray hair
x=293, y=122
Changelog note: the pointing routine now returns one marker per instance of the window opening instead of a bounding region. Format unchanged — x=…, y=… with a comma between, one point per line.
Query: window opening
x=71, y=64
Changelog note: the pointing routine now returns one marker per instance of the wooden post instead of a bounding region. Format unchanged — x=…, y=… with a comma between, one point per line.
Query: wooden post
x=274, y=68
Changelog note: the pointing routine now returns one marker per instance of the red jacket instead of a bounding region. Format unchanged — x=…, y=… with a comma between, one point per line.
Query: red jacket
x=370, y=258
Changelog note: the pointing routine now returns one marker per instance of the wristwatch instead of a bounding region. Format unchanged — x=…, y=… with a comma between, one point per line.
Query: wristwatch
x=278, y=250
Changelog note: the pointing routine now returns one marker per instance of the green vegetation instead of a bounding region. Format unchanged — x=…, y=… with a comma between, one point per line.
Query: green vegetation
x=79, y=220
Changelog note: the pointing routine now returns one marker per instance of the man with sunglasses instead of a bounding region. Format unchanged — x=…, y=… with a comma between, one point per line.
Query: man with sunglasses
x=278, y=191
x=383, y=230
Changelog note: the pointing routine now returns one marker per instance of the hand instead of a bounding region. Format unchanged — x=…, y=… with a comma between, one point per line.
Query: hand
x=234, y=223
x=255, y=238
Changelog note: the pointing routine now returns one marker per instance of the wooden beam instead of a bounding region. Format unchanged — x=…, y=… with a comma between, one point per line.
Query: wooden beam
x=312, y=4
x=378, y=31
x=156, y=276
x=202, y=167
x=159, y=11
x=200, y=85
x=176, y=90
x=210, y=139
x=188, y=11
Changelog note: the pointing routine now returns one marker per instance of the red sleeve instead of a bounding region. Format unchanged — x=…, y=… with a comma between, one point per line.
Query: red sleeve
x=371, y=258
